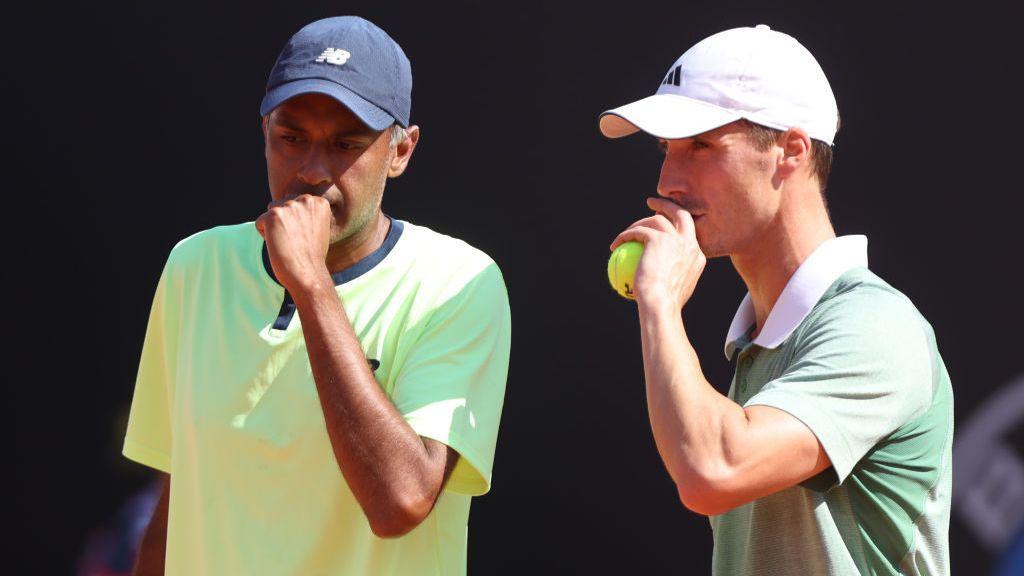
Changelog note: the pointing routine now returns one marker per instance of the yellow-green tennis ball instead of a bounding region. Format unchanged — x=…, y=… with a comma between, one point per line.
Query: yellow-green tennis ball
x=622, y=267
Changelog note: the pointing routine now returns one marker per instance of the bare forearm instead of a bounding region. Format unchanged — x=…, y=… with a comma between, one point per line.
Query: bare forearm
x=720, y=454
x=691, y=421
x=390, y=469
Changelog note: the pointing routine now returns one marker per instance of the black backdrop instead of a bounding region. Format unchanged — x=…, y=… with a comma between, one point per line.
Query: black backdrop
x=136, y=125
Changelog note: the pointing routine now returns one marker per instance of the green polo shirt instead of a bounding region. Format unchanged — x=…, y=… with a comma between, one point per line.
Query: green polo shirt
x=225, y=403
x=863, y=372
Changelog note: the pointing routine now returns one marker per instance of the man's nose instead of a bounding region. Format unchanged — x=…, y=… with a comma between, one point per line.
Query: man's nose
x=670, y=180
x=315, y=169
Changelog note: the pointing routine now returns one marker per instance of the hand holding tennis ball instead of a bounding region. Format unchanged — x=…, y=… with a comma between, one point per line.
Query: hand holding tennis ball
x=622, y=267
x=672, y=263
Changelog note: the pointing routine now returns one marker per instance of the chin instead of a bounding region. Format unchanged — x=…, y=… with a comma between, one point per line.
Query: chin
x=710, y=248
x=338, y=232
x=706, y=245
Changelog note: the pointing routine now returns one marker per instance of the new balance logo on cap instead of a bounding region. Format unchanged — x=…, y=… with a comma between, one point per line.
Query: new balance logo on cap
x=673, y=76
x=335, y=56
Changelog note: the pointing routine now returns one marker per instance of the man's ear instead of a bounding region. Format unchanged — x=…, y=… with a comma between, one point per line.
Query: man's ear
x=796, y=151
x=403, y=152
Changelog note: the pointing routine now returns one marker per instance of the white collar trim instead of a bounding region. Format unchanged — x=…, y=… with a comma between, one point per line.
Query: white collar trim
x=827, y=263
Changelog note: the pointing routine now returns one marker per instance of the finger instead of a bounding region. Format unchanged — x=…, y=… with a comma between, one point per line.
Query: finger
x=658, y=222
x=640, y=234
x=315, y=198
x=290, y=199
x=679, y=216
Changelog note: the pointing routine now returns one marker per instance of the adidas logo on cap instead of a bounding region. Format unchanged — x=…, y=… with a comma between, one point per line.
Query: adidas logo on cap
x=673, y=77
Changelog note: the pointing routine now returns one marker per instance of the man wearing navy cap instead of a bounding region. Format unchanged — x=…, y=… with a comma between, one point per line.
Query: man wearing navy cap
x=322, y=387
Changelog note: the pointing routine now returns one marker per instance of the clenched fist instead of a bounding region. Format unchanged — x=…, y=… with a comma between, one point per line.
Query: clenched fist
x=298, y=234
x=672, y=261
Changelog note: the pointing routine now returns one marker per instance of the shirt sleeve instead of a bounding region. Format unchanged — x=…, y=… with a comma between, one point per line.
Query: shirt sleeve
x=452, y=386
x=858, y=374
x=148, y=438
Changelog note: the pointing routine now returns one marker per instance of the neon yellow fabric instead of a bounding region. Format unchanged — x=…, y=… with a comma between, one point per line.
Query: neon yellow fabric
x=227, y=405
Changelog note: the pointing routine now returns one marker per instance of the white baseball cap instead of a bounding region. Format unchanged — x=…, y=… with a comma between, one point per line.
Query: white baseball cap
x=764, y=76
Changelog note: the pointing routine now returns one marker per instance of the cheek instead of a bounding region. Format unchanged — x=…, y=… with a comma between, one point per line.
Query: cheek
x=280, y=165
x=369, y=172
x=275, y=180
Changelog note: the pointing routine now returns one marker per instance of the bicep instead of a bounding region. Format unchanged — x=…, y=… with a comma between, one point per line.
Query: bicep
x=773, y=452
x=158, y=521
x=152, y=548
x=791, y=453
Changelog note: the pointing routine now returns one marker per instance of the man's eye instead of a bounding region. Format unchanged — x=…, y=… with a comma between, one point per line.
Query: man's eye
x=700, y=145
x=291, y=138
x=347, y=145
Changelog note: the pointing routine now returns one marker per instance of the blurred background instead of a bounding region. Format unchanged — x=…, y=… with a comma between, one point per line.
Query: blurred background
x=136, y=124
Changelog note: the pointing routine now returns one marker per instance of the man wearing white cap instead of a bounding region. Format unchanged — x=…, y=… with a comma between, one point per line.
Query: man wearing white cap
x=831, y=452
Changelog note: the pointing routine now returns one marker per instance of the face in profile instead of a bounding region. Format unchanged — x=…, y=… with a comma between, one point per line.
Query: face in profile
x=725, y=183
x=315, y=145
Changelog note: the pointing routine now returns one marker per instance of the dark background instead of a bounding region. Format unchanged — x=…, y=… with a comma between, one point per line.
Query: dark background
x=136, y=125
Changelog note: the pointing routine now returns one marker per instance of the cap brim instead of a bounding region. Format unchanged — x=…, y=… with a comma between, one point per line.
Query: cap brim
x=369, y=114
x=667, y=116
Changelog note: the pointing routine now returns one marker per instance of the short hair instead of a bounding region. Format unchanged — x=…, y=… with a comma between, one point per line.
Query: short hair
x=398, y=134
x=821, y=153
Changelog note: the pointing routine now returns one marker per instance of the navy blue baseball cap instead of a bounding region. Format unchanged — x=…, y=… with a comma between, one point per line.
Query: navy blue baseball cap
x=351, y=60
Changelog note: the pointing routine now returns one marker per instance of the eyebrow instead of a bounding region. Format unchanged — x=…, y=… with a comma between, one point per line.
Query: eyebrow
x=359, y=131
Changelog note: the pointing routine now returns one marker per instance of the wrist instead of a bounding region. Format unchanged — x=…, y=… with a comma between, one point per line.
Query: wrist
x=311, y=284
x=656, y=305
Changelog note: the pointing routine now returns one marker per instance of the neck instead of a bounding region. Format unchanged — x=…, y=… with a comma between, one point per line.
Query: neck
x=767, y=265
x=347, y=251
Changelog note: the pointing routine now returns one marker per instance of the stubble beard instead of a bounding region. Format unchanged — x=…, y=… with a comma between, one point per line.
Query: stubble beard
x=367, y=216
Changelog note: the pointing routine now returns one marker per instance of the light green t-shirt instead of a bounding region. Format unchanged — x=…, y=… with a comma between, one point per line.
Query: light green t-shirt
x=863, y=372
x=225, y=402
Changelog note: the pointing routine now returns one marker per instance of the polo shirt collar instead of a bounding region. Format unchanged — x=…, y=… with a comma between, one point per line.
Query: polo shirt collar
x=824, y=266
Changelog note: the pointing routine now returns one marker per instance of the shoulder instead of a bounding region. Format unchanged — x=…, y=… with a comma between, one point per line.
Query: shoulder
x=861, y=302
x=863, y=325
x=443, y=259
x=208, y=244
x=436, y=248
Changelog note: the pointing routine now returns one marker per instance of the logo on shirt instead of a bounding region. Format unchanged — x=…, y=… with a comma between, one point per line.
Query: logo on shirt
x=335, y=56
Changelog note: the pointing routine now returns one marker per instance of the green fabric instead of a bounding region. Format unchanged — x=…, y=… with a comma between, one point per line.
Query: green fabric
x=863, y=372
x=227, y=405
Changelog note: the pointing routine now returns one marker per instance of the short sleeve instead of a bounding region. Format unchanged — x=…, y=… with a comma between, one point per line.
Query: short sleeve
x=860, y=371
x=148, y=438
x=452, y=386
